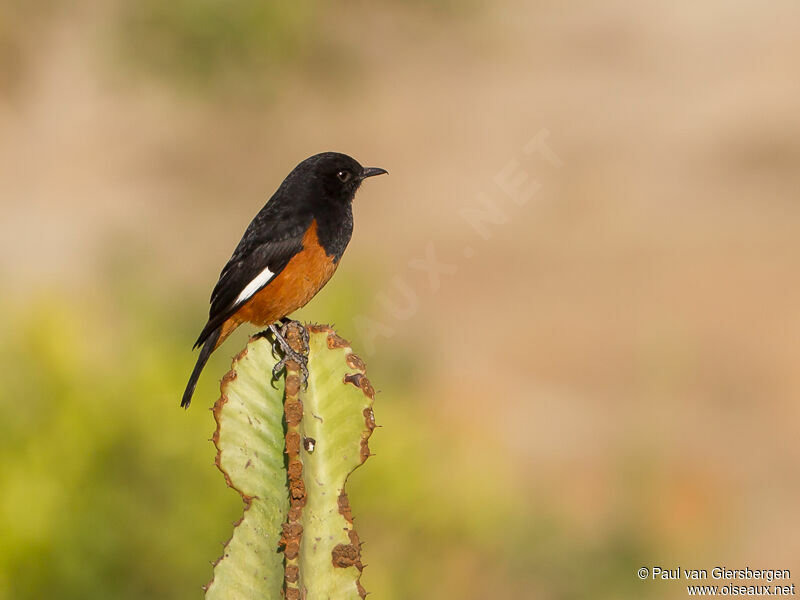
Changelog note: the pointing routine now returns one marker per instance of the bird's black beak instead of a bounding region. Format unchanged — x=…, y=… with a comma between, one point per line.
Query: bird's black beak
x=372, y=171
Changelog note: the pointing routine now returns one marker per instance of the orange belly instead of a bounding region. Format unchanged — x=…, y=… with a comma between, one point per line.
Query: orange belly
x=305, y=275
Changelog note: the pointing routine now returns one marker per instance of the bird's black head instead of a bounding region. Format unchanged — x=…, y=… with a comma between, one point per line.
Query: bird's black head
x=334, y=176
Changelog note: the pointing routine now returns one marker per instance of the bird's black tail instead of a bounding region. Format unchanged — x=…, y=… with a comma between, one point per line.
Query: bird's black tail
x=205, y=352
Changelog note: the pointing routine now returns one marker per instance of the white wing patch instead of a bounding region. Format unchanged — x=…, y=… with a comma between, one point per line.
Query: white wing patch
x=255, y=285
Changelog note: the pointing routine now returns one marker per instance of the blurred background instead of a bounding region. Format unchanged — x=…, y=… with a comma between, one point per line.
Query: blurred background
x=587, y=349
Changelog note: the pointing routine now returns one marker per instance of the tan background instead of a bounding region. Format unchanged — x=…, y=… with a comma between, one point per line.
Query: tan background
x=609, y=381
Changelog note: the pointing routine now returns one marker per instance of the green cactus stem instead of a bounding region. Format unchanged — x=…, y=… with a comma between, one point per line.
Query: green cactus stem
x=288, y=449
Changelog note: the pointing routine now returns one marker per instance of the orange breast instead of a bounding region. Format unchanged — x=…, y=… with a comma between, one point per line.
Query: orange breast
x=303, y=277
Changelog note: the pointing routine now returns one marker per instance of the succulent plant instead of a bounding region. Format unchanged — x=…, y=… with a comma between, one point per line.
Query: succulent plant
x=288, y=449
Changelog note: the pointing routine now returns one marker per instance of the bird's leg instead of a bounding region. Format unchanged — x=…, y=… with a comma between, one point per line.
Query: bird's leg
x=279, y=343
x=288, y=352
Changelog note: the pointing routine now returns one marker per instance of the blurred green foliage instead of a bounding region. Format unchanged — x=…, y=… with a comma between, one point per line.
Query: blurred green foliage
x=213, y=45
x=99, y=493
x=210, y=46
x=200, y=42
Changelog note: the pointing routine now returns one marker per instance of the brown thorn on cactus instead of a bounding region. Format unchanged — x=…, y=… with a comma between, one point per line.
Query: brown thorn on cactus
x=295, y=469
x=364, y=452
x=318, y=328
x=345, y=555
x=217, y=410
x=240, y=355
x=355, y=362
x=228, y=377
x=297, y=493
x=292, y=530
x=348, y=555
x=335, y=341
x=354, y=378
x=354, y=538
x=344, y=507
x=292, y=593
x=293, y=410
x=367, y=388
x=292, y=443
x=290, y=540
x=292, y=573
x=360, y=381
x=292, y=382
x=369, y=419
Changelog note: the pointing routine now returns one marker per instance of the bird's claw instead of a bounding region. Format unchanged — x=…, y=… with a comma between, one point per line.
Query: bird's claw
x=299, y=359
x=281, y=346
x=303, y=332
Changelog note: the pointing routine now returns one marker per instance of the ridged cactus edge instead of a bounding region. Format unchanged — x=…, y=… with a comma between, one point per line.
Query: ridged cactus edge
x=288, y=449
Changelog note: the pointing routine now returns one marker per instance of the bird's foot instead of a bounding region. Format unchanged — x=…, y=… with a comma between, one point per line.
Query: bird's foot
x=281, y=346
x=303, y=332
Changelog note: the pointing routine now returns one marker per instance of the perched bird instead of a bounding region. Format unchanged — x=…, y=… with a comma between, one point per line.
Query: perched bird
x=287, y=254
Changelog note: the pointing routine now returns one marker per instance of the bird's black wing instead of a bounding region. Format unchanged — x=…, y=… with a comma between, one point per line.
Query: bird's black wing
x=270, y=242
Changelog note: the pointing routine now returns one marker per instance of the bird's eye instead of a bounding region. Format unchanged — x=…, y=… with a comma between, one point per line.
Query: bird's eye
x=343, y=176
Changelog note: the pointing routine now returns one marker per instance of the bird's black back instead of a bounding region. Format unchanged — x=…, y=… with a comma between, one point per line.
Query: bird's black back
x=276, y=233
